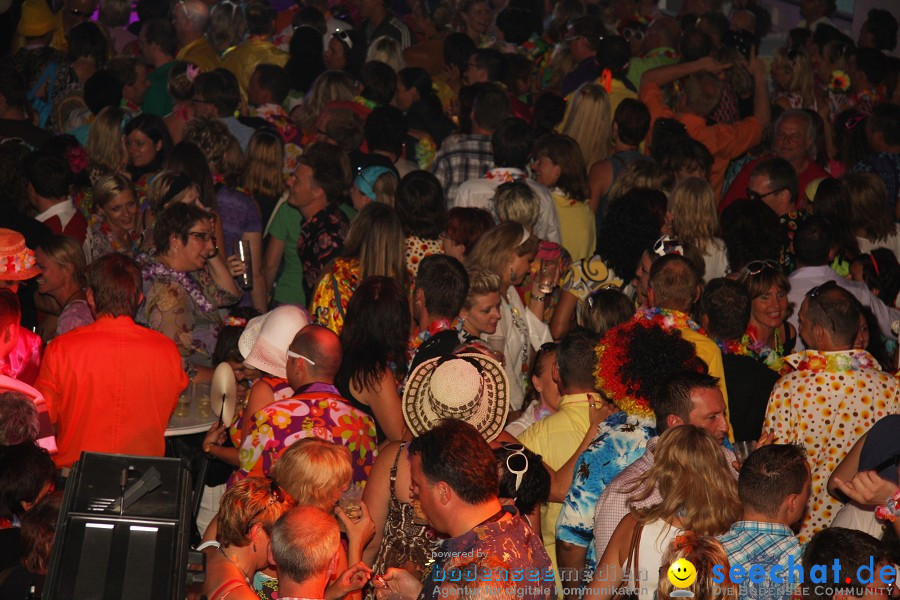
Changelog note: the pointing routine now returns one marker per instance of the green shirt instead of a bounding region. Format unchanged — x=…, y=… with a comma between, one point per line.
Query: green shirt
x=158, y=101
x=286, y=227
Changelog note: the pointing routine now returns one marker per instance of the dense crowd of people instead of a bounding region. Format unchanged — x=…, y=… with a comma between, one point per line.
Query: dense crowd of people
x=522, y=299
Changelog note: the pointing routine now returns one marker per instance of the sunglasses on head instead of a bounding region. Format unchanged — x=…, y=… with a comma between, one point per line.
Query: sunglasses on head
x=517, y=456
x=276, y=495
x=344, y=36
x=814, y=294
x=756, y=267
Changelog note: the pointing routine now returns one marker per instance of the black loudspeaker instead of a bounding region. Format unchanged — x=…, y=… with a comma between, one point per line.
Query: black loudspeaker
x=105, y=551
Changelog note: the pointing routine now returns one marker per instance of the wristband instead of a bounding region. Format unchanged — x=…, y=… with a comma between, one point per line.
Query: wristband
x=539, y=298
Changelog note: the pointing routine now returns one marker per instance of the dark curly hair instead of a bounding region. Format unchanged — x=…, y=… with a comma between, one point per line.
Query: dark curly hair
x=630, y=226
x=535, y=485
x=633, y=358
x=881, y=272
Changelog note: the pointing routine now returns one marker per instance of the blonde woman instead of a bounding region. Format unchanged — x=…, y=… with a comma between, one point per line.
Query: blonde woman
x=871, y=220
x=263, y=178
x=115, y=228
x=794, y=79
x=588, y=121
x=507, y=251
x=374, y=246
x=692, y=218
x=387, y=50
x=330, y=86
x=699, y=494
x=316, y=473
x=106, y=144
x=63, y=278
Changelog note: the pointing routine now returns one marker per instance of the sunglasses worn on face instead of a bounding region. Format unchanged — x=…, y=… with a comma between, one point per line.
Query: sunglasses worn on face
x=751, y=195
x=344, y=37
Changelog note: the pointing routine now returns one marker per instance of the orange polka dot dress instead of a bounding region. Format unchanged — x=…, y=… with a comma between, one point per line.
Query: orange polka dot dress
x=418, y=248
x=826, y=405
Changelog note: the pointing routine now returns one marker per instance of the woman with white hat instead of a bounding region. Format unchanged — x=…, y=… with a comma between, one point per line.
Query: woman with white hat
x=264, y=345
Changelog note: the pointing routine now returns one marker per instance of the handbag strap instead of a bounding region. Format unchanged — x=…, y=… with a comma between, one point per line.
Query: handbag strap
x=631, y=564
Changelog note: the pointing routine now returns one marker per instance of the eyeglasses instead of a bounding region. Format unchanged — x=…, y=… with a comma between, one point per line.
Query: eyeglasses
x=751, y=195
x=343, y=36
x=755, y=267
x=203, y=236
x=814, y=293
x=295, y=355
x=516, y=451
x=277, y=495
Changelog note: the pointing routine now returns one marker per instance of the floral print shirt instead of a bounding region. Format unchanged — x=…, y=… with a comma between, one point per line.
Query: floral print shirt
x=825, y=405
x=316, y=410
x=333, y=292
x=184, y=307
x=621, y=440
x=321, y=239
x=498, y=559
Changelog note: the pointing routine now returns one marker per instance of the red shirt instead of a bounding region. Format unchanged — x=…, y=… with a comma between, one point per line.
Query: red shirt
x=111, y=386
x=738, y=187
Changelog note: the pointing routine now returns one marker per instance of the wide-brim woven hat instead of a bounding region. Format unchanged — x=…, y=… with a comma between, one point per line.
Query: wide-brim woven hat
x=17, y=262
x=469, y=387
x=266, y=339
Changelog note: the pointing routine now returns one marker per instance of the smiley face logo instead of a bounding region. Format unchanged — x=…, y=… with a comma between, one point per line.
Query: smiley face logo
x=682, y=573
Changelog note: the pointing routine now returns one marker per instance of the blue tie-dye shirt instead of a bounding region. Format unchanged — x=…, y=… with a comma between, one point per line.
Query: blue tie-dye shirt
x=621, y=440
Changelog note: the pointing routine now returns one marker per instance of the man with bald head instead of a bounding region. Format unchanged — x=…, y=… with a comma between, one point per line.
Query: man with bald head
x=316, y=409
x=191, y=19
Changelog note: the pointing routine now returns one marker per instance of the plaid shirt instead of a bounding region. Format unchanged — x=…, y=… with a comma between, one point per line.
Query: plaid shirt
x=460, y=159
x=767, y=544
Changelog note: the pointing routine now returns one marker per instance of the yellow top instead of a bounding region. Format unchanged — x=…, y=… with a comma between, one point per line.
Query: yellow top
x=577, y=226
x=242, y=59
x=201, y=53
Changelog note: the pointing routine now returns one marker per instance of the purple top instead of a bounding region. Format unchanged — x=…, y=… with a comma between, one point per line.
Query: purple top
x=76, y=314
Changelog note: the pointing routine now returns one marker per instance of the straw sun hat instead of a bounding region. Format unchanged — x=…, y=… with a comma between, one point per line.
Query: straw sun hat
x=17, y=262
x=469, y=387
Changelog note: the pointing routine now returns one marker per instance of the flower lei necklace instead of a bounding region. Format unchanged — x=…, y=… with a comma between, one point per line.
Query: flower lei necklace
x=750, y=345
x=833, y=362
x=668, y=319
x=157, y=270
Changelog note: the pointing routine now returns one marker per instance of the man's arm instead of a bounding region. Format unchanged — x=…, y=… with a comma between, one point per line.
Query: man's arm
x=570, y=561
x=761, y=109
x=663, y=75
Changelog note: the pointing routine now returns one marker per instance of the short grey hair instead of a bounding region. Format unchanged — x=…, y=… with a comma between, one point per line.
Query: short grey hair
x=18, y=419
x=807, y=118
x=304, y=540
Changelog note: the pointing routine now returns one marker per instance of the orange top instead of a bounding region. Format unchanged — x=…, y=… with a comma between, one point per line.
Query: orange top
x=724, y=142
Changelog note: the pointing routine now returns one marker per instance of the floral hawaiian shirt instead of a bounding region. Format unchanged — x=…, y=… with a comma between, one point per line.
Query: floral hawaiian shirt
x=498, y=559
x=826, y=405
x=321, y=239
x=317, y=410
x=621, y=440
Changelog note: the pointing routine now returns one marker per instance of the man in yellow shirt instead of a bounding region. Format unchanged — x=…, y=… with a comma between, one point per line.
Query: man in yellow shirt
x=558, y=436
x=257, y=48
x=191, y=19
